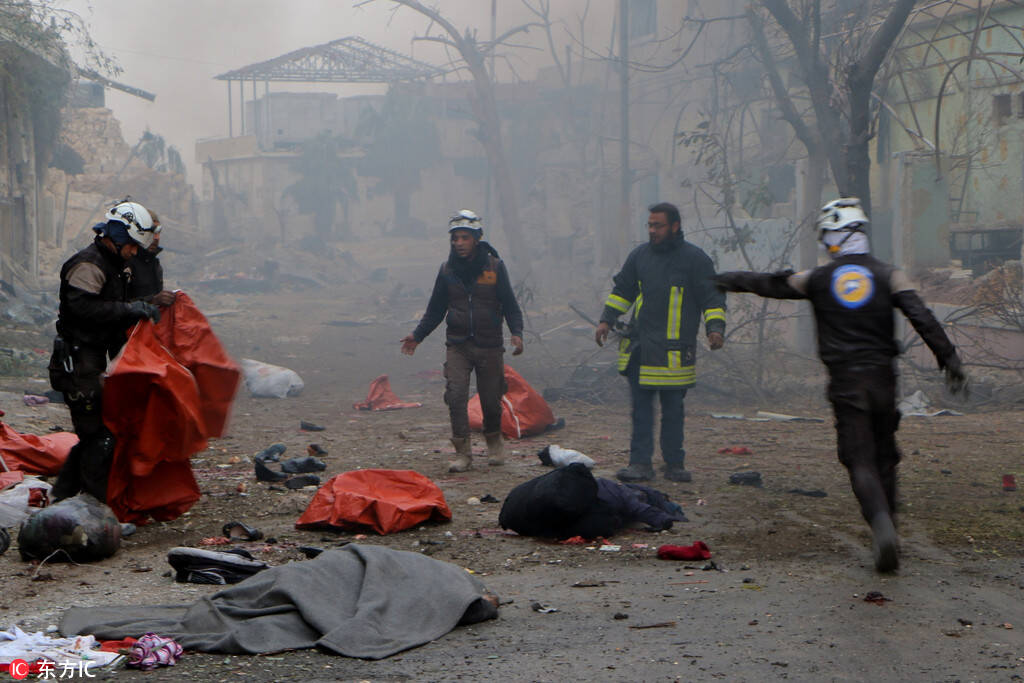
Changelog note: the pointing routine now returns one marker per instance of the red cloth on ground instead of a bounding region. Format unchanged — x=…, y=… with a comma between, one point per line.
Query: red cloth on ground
x=116, y=645
x=162, y=414
x=524, y=412
x=35, y=454
x=384, y=500
x=10, y=478
x=736, y=450
x=380, y=397
x=697, y=551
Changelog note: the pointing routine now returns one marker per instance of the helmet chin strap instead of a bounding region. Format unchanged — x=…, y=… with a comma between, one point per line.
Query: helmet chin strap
x=837, y=248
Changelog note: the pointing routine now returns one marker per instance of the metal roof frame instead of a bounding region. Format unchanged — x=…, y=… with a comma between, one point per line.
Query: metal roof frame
x=346, y=60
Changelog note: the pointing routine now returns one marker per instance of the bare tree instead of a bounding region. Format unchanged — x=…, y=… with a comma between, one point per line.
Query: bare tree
x=485, y=110
x=839, y=74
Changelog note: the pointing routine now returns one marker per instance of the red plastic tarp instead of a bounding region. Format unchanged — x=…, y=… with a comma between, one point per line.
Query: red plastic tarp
x=524, y=412
x=34, y=454
x=167, y=392
x=380, y=397
x=383, y=500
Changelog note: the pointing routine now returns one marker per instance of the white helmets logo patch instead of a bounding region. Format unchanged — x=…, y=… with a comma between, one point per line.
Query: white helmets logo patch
x=852, y=285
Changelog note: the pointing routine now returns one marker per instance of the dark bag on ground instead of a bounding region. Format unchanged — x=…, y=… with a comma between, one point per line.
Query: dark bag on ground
x=560, y=504
x=81, y=529
x=195, y=565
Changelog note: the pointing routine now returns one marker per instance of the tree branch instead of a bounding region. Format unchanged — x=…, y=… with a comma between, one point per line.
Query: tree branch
x=865, y=68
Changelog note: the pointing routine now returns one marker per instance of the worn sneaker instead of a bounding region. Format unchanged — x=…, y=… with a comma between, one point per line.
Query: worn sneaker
x=635, y=472
x=677, y=473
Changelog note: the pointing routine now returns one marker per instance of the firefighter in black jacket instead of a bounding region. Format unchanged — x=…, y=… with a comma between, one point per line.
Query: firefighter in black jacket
x=473, y=292
x=94, y=316
x=667, y=283
x=853, y=298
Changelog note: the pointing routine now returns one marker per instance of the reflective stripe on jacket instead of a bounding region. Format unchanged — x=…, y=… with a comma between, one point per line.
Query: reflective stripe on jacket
x=671, y=292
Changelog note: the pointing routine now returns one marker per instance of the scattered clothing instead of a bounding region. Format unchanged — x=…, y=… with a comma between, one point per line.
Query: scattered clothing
x=697, y=551
x=310, y=427
x=358, y=601
x=241, y=531
x=383, y=500
x=17, y=644
x=570, y=501
x=735, y=450
x=34, y=400
x=151, y=651
x=381, y=397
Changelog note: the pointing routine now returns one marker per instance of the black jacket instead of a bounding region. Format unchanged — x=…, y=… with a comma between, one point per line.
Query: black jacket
x=96, y=319
x=147, y=275
x=474, y=312
x=671, y=292
x=853, y=299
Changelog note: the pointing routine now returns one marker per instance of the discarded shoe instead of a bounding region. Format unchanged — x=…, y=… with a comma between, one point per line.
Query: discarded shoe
x=635, y=472
x=264, y=473
x=194, y=565
x=488, y=498
x=302, y=481
x=239, y=531
x=305, y=464
x=315, y=450
x=677, y=473
x=309, y=551
x=310, y=427
x=271, y=453
x=746, y=479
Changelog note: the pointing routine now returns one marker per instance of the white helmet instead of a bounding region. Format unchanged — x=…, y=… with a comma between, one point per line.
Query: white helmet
x=842, y=214
x=136, y=219
x=466, y=220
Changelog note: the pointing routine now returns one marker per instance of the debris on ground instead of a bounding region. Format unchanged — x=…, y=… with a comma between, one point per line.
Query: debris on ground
x=270, y=381
x=811, y=493
x=735, y=450
x=310, y=426
x=240, y=531
x=697, y=551
x=151, y=651
x=303, y=465
x=213, y=567
x=381, y=397
x=542, y=608
x=746, y=479
x=877, y=598
x=79, y=529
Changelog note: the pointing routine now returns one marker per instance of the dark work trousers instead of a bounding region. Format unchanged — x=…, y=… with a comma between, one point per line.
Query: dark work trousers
x=88, y=464
x=489, y=365
x=864, y=402
x=641, y=444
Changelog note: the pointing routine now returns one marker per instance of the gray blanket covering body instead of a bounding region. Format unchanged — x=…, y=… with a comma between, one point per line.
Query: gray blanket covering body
x=358, y=601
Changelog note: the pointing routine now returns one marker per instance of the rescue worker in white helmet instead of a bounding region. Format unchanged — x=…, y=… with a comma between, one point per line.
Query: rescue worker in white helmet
x=473, y=291
x=853, y=297
x=94, y=317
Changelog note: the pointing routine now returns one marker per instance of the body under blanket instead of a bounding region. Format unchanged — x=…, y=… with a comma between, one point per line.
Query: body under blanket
x=359, y=601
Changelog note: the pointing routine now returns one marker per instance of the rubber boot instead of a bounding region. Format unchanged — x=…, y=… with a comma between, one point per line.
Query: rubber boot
x=495, y=449
x=463, y=455
x=884, y=544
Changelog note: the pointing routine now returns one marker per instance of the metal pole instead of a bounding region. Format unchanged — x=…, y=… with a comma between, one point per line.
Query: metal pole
x=625, y=175
x=241, y=101
x=231, y=115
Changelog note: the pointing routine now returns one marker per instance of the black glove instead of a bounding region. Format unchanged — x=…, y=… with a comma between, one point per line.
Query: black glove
x=726, y=282
x=956, y=378
x=141, y=310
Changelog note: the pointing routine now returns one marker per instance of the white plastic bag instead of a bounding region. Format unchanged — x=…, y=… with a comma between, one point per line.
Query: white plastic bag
x=14, y=507
x=270, y=381
x=560, y=457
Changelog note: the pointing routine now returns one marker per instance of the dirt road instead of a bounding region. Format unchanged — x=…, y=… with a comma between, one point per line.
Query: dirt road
x=784, y=599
